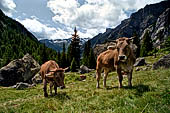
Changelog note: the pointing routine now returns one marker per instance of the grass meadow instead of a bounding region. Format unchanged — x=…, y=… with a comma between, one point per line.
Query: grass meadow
x=150, y=94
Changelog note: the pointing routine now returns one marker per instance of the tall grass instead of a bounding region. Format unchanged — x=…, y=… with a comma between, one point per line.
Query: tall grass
x=150, y=94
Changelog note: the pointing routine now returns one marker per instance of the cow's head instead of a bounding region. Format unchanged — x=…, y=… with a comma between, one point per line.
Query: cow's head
x=58, y=76
x=123, y=48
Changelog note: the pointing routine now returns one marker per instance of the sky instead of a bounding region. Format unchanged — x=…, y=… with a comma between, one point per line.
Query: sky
x=56, y=19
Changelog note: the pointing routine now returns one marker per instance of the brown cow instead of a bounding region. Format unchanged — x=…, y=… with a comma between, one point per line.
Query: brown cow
x=51, y=73
x=120, y=59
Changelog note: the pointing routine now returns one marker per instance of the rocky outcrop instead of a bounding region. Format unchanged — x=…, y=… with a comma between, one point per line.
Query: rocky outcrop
x=19, y=70
x=99, y=48
x=162, y=28
x=137, y=23
x=163, y=62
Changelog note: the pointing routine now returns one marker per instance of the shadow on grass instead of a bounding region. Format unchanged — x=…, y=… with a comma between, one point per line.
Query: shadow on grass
x=140, y=88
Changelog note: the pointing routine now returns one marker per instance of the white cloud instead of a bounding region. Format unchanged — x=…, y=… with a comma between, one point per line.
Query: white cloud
x=7, y=6
x=42, y=31
x=94, y=16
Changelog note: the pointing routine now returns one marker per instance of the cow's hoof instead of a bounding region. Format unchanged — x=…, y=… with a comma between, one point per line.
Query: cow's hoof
x=97, y=86
x=45, y=95
x=120, y=86
x=130, y=86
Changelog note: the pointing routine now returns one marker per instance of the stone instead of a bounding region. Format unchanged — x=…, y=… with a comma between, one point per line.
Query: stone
x=22, y=85
x=163, y=62
x=19, y=70
x=84, y=69
x=37, y=79
x=138, y=69
x=140, y=62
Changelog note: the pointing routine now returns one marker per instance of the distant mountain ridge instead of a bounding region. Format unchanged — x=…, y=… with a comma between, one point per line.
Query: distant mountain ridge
x=57, y=44
x=137, y=23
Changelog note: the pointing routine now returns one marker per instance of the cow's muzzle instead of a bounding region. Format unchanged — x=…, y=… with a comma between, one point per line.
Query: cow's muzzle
x=122, y=57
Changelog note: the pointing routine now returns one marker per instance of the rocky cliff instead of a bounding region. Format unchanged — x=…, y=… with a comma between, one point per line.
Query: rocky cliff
x=155, y=15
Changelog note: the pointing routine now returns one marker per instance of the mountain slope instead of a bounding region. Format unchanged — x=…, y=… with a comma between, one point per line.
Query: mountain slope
x=57, y=44
x=137, y=23
x=16, y=40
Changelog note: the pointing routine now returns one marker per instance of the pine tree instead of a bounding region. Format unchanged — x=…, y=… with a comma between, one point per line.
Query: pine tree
x=73, y=65
x=86, y=53
x=74, y=50
x=44, y=54
x=167, y=44
x=146, y=45
x=63, y=57
x=91, y=60
x=136, y=41
x=59, y=58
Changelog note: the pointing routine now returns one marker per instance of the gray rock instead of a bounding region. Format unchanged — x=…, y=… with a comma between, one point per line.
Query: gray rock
x=22, y=85
x=162, y=62
x=99, y=48
x=37, y=79
x=140, y=62
x=162, y=27
x=19, y=70
x=84, y=69
x=138, y=69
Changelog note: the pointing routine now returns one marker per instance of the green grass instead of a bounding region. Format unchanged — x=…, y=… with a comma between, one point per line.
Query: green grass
x=150, y=94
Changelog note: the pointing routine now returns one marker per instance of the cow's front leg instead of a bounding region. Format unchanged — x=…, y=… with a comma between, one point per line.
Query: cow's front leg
x=45, y=88
x=120, y=77
x=51, y=86
x=98, y=74
x=130, y=78
x=105, y=77
x=55, y=88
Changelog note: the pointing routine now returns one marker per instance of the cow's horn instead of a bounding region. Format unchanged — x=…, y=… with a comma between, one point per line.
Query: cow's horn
x=49, y=75
x=66, y=69
x=131, y=38
x=53, y=70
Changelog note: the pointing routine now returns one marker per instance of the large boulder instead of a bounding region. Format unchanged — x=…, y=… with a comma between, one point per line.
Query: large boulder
x=19, y=70
x=162, y=62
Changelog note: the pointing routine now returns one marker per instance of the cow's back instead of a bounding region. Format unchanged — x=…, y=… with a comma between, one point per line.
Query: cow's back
x=107, y=59
x=47, y=66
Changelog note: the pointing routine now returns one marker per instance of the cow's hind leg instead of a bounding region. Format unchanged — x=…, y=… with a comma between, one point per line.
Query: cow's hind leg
x=98, y=75
x=45, y=88
x=120, y=77
x=55, y=88
x=105, y=77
